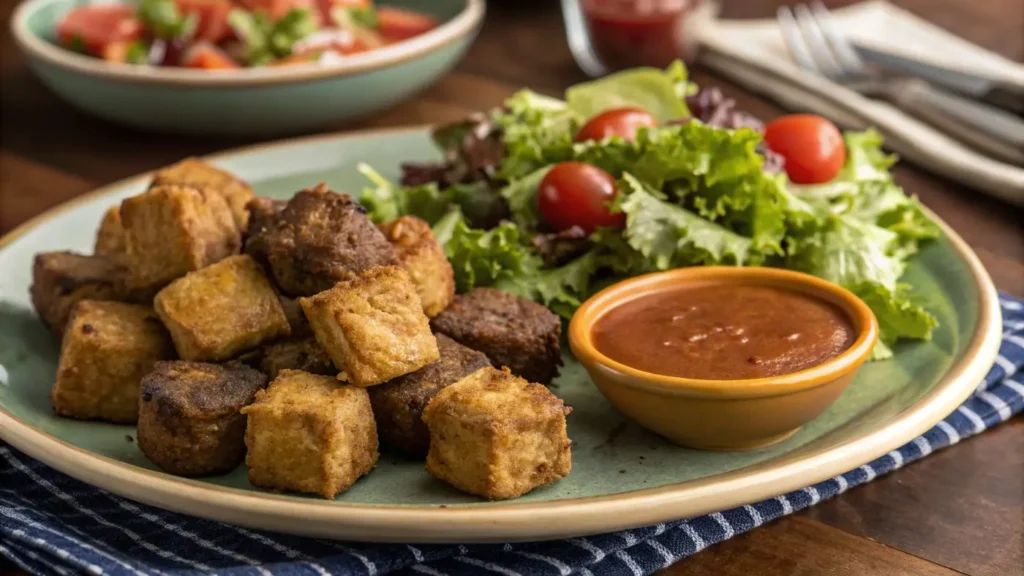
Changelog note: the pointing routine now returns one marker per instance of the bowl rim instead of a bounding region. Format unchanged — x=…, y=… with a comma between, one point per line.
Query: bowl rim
x=463, y=24
x=593, y=309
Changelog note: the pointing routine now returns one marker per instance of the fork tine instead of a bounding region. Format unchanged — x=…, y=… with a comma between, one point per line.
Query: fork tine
x=817, y=43
x=795, y=40
x=843, y=49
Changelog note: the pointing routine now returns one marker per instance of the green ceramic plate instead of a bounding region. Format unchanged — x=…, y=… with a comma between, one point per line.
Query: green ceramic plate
x=621, y=477
x=269, y=100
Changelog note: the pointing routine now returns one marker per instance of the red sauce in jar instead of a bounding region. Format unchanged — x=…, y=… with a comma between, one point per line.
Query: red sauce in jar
x=630, y=33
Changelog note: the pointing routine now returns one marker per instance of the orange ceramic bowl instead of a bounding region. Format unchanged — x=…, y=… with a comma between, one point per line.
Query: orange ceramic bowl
x=722, y=414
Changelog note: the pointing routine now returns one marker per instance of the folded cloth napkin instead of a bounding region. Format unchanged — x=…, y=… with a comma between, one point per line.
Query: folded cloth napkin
x=53, y=524
x=753, y=54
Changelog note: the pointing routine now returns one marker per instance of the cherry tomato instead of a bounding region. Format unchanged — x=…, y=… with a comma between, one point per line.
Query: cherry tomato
x=93, y=26
x=577, y=194
x=812, y=146
x=212, y=15
x=398, y=24
x=208, y=57
x=622, y=122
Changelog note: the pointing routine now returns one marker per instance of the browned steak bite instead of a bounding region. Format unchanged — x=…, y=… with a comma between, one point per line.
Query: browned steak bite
x=304, y=354
x=263, y=215
x=320, y=238
x=190, y=420
x=512, y=331
x=62, y=279
x=398, y=404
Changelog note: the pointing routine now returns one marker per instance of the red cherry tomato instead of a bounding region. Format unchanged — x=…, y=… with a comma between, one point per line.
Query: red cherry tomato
x=618, y=122
x=812, y=146
x=212, y=16
x=398, y=24
x=94, y=26
x=577, y=194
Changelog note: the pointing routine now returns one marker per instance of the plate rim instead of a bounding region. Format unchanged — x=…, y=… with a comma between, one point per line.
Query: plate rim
x=510, y=521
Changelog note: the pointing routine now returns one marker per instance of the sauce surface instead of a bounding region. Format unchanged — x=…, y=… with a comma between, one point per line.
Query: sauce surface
x=724, y=332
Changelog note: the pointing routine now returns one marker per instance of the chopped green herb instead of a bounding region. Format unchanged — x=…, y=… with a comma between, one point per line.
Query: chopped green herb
x=266, y=41
x=164, y=20
x=138, y=53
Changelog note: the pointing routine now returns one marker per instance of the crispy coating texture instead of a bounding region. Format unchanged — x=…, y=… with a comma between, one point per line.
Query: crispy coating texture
x=496, y=435
x=422, y=256
x=263, y=215
x=310, y=433
x=107, y=349
x=373, y=326
x=222, y=310
x=60, y=280
x=398, y=404
x=195, y=172
x=173, y=230
x=511, y=330
x=190, y=420
x=320, y=238
x=110, y=235
x=305, y=354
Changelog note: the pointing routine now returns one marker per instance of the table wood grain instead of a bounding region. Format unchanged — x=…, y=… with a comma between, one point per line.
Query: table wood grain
x=960, y=511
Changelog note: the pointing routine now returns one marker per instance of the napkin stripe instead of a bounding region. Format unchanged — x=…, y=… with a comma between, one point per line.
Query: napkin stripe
x=52, y=524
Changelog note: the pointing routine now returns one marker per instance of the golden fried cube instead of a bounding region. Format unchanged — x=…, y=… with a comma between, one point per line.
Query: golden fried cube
x=222, y=310
x=195, y=172
x=108, y=347
x=62, y=279
x=110, y=236
x=373, y=326
x=496, y=435
x=422, y=257
x=173, y=230
x=309, y=433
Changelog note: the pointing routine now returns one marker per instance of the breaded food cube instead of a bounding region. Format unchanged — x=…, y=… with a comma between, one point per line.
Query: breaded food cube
x=496, y=435
x=422, y=256
x=194, y=172
x=110, y=235
x=222, y=310
x=62, y=279
x=512, y=331
x=173, y=230
x=398, y=404
x=320, y=238
x=310, y=433
x=107, y=348
x=305, y=354
x=190, y=419
x=373, y=326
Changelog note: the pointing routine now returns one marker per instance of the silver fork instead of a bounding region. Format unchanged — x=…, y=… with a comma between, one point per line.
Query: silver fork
x=819, y=46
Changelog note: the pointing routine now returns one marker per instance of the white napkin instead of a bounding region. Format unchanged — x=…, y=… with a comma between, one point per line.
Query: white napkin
x=753, y=53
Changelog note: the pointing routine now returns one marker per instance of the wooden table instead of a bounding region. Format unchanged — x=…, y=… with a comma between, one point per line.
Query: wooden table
x=958, y=511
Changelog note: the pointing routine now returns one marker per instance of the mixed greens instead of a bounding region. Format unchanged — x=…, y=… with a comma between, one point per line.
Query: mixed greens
x=698, y=189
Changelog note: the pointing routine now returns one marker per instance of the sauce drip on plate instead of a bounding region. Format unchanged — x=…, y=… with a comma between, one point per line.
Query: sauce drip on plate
x=724, y=332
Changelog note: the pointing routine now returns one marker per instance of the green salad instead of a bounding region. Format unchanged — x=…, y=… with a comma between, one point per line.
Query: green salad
x=689, y=181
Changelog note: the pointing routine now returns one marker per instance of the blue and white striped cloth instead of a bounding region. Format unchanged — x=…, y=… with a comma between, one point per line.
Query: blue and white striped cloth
x=53, y=524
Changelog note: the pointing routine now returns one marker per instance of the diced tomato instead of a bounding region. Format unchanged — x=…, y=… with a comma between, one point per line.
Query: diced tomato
x=92, y=27
x=275, y=9
x=398, y=24
x=212, y=15
x=116, y=52
x=208, y=57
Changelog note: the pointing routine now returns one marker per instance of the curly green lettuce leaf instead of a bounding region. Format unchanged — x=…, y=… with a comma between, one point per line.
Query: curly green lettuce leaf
x=521, y=195
x=538, y=131
x=561, y=289
x=663, y=235
x=898, y=315
x=384, y=201
x=482, y=257
x=651, y=89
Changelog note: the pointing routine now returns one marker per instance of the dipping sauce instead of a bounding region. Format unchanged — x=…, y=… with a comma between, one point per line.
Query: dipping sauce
x=724, y=332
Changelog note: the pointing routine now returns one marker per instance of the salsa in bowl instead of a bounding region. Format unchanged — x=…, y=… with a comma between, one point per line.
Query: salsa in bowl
x=723, y=358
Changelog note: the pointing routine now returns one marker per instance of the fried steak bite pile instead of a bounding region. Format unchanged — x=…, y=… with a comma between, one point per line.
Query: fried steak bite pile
x=296, y=335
